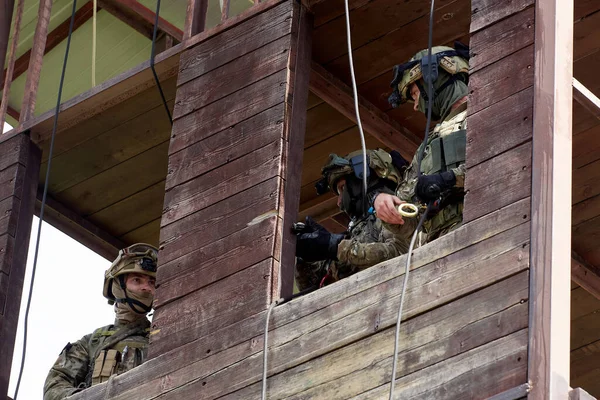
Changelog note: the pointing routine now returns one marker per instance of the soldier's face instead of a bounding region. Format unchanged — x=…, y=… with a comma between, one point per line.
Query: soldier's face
x=340, y=188
x=415, y=93
x=140, y=283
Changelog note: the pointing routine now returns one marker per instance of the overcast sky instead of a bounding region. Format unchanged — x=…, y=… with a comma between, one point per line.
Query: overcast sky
x=67, y=304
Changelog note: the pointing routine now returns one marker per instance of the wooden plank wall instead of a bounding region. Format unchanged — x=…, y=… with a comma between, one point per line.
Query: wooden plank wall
x=19, y=169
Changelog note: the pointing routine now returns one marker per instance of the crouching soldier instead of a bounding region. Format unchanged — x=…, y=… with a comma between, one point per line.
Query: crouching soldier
x=324, y=257
x=113, y=349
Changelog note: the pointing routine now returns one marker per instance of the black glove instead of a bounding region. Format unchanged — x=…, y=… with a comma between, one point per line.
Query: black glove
x=318, y=245
x=430, y=187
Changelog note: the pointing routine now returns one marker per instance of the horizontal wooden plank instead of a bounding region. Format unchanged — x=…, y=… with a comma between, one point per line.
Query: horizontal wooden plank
x=427, y=339
x=133, y=211
x=585, y=330
x=260, y=96
x=378, y=56
x=220, y=183
x=232, y=77
x=501, y=80
x=585, y=210
x=111, y=119
x=215, y=261
x=488, y=12
x=501, y=39
x=9, y=215
x=108, y=149
x=11, y=181
x=323, y=122
x=496, y=367
x=212, y=307
x=584, y=360
x=221, y=348
x=586, y=182
x=15, y=150
x=225, y=146
x=7, y=246
x=235, y=42
x=586, y=147
x=219, y=220
x=586, y=33
x=338, y=325
x=498, y=182
x=511, y=119
x=148, y=233
x=585, y=235
x=118, y=182
x=383, y=16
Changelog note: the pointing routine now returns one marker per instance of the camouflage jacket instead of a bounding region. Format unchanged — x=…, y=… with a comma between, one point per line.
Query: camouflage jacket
x=110, y=350
x=450, y=216
x=369, y=244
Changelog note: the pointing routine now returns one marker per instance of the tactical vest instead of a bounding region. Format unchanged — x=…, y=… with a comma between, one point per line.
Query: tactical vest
x=108, y=358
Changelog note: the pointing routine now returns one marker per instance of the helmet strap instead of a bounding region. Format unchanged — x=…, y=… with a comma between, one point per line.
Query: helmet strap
x=132, y=303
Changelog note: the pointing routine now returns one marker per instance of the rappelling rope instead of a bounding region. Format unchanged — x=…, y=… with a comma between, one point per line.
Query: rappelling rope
x=45, y=192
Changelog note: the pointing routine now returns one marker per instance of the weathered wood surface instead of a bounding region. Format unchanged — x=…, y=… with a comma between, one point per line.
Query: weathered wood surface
x=498, y=182
x=195, y=18
x=225, y=146
x=196, y=361
x=196, y=126
x=500, y=80
x=489, y=12
x=18, y=199
x=228, y=216
x=425, y=340
x=511, y=120
x=586, y=147
x=235, y=42
x=495, y=366
x=501, y=39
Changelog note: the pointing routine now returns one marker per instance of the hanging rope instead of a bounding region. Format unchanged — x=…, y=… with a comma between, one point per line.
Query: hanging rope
x=45, y=192
x=94, y=43
x=152, y=55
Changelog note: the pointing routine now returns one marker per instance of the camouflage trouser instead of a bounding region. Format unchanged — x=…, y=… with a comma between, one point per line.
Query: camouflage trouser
x=445, y=221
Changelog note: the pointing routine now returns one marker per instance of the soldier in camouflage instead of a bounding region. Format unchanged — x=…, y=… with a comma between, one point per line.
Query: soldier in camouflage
x=324, y=257
x=111, y=350
x=443, y=164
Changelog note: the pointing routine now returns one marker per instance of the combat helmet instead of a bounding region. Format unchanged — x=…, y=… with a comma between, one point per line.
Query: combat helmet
x=447, y=66
x=138, y=258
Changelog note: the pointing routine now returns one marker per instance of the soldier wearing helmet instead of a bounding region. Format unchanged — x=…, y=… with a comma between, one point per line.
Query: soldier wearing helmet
x=324, y=257
x=443, y=162
x=113, y=349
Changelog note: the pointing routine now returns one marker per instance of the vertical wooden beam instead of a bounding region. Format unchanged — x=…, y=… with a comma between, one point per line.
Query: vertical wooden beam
x=224, y=10
x=549, y=327
x=6, y=12
x=195, y=18
x=35, y=62
x=19, y=171
x=11, y=63
x=299, y=68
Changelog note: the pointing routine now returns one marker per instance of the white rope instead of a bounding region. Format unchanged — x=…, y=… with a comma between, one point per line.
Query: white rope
x=94, y=43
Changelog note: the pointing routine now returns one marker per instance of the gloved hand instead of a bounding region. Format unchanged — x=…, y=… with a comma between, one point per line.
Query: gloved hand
x=318, y=245
x=430, y=187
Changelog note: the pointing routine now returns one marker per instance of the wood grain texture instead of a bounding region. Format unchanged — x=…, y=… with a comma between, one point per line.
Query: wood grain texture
x=498, y=182
x=231, y=77
x=489, y=12
x=260, y=96
x=500, y=127
x=501, y=80
x=225, y=146
x=501, y=39
x=228, y=216
x=235, y=42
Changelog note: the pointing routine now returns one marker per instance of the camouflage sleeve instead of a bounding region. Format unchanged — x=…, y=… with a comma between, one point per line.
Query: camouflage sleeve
x=459, y=173
x=365, y=255
x=68, y=372
x=405, y=231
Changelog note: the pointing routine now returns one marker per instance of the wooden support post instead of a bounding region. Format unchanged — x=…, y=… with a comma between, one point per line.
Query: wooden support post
x=6, y=12
x=195, y=18
x=56, y=36
x=35, y=62
x=585, y=275
x=338, y=95
x=549, y=327
x=586, y=98
x=11, y=63
x=19, y=172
